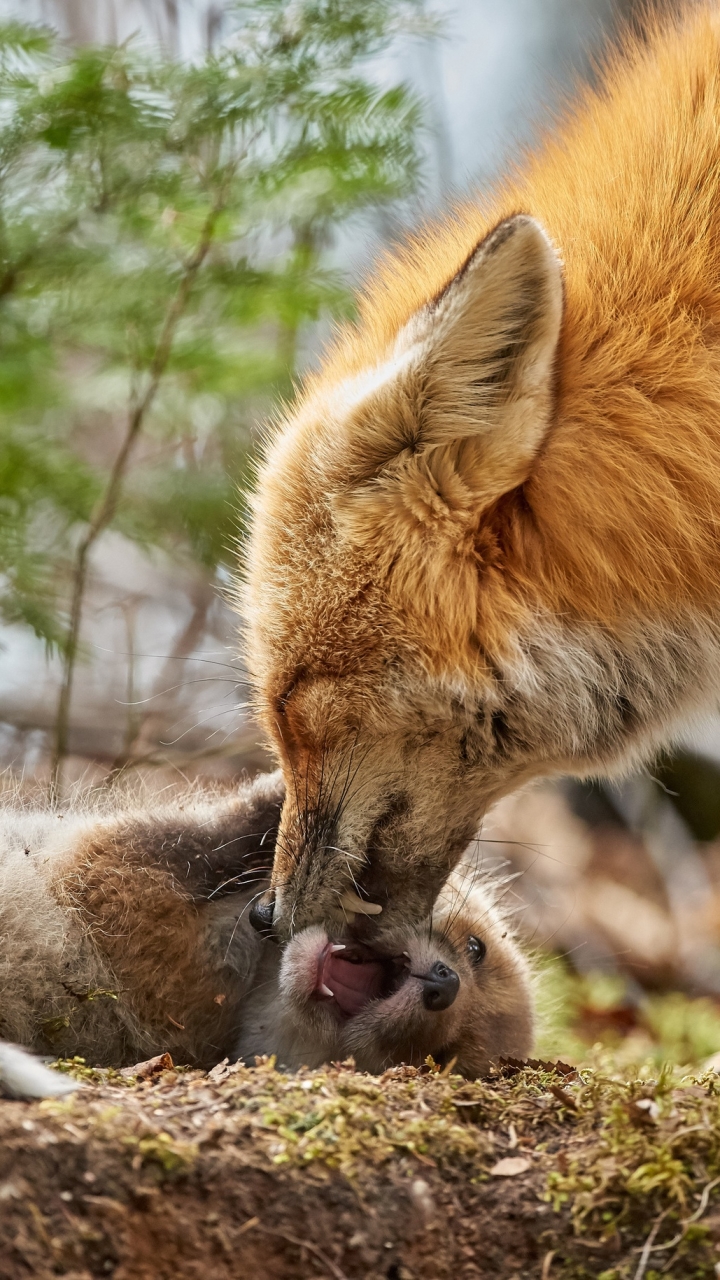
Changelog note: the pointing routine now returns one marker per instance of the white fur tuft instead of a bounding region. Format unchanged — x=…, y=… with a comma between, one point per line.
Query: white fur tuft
x=23, y=1076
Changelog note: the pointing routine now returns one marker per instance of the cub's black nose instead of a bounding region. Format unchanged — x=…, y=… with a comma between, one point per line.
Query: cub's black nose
x=261, y=913
x=440, y=987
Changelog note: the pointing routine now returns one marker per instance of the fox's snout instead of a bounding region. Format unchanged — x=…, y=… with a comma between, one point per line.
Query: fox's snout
x=365, y=895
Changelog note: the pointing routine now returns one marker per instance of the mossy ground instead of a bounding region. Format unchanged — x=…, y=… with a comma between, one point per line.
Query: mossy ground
x=609, y=1169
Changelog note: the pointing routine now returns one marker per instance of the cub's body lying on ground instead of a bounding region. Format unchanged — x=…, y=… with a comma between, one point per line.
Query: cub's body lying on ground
x=125, y=933
x=485, y=545
x=111, y=945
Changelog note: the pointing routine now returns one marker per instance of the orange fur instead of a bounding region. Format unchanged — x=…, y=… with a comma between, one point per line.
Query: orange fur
x=637, y=420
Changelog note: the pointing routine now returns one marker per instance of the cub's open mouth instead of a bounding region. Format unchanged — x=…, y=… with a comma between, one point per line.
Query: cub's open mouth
x=352, y=975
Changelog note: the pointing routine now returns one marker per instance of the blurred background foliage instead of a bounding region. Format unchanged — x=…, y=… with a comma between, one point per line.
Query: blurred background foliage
x=190, y=190
x=161, y=233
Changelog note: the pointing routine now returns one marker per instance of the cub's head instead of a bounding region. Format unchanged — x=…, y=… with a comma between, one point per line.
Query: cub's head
x=458, y=989
x=379, y=602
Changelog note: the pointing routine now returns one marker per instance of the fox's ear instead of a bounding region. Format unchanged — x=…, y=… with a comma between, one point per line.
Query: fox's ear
x=455, y=418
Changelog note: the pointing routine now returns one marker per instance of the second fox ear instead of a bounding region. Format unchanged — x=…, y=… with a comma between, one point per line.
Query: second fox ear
x=466, y=398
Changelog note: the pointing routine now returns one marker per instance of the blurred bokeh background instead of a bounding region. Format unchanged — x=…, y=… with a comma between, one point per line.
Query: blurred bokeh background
x=189, y=192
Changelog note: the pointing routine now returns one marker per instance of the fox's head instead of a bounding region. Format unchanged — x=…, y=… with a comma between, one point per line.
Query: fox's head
x=382, y=607
x=485, y=549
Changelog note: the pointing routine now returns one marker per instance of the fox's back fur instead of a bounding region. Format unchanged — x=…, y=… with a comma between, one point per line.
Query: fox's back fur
x=486, y=543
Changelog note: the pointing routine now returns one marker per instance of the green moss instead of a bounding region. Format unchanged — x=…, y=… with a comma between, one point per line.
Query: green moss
x=78, y=1068
x=615, y=1156
x=357, y=1123
x=650, y=1150
x=161, y=1149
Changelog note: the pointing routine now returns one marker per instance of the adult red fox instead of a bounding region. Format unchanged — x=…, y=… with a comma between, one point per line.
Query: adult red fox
x=486, y=543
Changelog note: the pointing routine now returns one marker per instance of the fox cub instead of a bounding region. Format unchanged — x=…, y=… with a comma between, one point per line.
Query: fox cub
x=125, y=933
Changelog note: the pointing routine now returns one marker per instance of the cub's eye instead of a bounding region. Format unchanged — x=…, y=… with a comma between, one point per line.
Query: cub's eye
x=476, y=949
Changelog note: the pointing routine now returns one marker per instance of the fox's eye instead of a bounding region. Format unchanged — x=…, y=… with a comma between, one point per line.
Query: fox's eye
x=476, y=949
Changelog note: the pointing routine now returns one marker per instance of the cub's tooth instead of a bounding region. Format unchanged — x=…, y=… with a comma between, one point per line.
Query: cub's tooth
x=337, y=946
x=352, y=902
x=325, y=991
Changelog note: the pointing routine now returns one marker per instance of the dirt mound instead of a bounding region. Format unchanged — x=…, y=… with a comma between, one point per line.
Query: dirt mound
x=416, y=1175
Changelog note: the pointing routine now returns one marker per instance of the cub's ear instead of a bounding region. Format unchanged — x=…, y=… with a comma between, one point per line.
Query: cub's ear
x=456, y=416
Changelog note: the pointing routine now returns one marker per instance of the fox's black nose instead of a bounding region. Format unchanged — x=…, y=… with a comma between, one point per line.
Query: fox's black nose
x=440, y=987
x=261, y=913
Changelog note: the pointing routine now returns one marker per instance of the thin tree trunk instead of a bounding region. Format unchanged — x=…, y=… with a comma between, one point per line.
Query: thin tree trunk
x=107, y=503
x=129, y=611
x=147, y=730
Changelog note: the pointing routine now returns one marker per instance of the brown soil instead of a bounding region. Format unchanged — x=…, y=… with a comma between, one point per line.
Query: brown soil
x=250, y=1173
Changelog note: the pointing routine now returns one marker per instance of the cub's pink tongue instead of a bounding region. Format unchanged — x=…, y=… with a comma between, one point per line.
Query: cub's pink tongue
x=353, y=985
